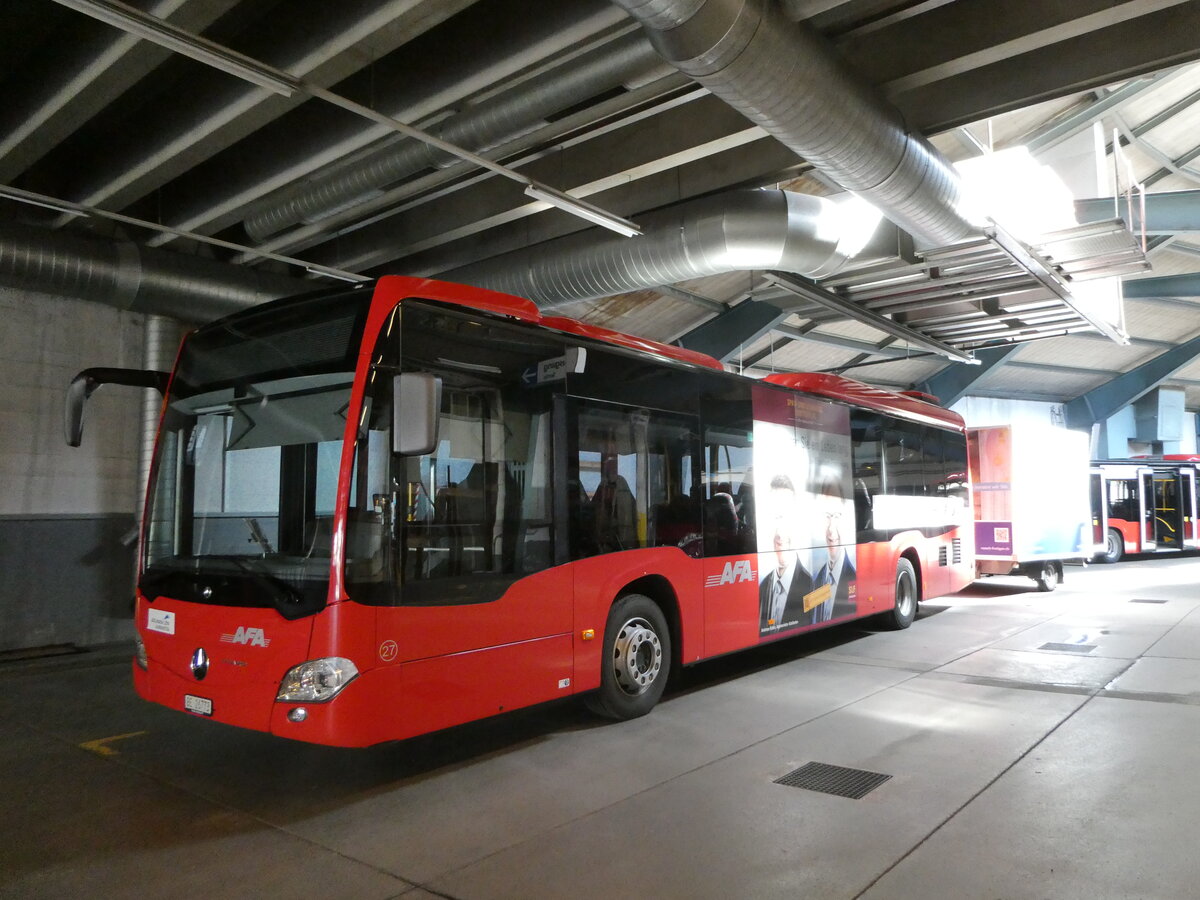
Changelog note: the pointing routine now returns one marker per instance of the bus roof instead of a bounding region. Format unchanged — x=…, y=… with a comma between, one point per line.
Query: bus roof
x=520, y=308
x=835, y=387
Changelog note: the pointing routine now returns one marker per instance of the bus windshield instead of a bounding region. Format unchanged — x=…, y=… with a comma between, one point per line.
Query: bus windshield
x=242, y=502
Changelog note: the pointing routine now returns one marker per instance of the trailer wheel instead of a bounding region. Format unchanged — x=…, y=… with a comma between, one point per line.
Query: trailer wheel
x=1045, y=575
x=904, y=610
x=636, y=659
x=1114, y=547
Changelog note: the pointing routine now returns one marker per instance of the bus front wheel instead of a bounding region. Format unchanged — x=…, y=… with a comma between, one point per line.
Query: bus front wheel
x=904, y=608
x=636, y=659
x=1114, y=547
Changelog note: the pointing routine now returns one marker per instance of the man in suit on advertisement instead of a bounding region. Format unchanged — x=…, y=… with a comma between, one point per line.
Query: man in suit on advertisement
x=837, y=574
x=785, y=581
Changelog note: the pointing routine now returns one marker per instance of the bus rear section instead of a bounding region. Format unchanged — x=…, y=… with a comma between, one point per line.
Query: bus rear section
x=385, y=512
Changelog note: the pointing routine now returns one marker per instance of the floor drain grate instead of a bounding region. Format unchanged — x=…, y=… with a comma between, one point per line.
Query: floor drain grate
x=1142, y=600
x=1068, y=648
x=828, y=779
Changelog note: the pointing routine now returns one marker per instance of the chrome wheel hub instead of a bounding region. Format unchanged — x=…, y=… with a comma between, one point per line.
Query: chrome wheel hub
x=637, y=656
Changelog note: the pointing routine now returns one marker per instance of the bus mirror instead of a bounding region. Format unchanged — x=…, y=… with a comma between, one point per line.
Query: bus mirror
x=417, y=403
x=85, y=383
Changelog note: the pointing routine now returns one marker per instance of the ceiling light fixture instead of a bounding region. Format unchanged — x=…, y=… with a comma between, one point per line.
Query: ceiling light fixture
x=582, y=209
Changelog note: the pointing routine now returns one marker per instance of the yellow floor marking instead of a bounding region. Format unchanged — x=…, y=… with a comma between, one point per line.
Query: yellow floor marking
x=101, y=746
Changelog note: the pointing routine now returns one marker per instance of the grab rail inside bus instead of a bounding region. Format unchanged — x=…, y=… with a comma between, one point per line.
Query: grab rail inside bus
x=85, y=383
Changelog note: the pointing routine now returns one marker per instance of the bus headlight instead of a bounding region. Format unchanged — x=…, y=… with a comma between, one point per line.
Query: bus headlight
x=317, y=680
x=140, y=653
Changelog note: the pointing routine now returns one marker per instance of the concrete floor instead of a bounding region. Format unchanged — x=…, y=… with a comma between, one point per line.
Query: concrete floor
x=1016, y=772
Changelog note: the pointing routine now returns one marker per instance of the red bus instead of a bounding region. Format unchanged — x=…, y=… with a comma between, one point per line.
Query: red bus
x=381, y=512
x=1146, y=504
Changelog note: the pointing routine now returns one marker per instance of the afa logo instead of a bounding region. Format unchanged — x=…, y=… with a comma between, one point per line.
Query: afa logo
x=741, y=570
x=254, y=637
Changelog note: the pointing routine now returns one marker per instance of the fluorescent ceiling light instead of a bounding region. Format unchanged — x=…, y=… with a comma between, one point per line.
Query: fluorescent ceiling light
x=582, y=209
x=166, y=35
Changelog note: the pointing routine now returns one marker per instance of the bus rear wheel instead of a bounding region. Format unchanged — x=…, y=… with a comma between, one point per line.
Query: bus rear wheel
x=904, y=609
x=636, y=659
x=1114, y=547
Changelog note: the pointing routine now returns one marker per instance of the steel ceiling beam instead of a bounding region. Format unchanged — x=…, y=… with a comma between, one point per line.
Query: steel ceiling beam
x=1165, y=286
x=1173, y=212
x=1163, y=36
x=1071, y=124
x=722, y=335
x=1100, y=403
x=953, y=383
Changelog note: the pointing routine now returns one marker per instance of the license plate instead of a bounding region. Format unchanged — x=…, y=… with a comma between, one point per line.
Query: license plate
x=201, y=706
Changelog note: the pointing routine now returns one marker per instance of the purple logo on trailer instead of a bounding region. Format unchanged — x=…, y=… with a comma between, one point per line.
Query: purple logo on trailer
x=994, y=538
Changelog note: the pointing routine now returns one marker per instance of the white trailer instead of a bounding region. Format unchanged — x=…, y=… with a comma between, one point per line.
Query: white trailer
x=1031, y=500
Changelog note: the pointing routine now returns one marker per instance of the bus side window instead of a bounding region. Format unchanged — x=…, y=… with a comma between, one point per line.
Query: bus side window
x=636, y=475
x=866, y=433
x=728, y=492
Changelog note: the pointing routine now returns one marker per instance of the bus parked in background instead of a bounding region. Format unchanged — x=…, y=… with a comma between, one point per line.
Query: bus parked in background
x=1031, y=501
x=390, y=510
x=1148, y=505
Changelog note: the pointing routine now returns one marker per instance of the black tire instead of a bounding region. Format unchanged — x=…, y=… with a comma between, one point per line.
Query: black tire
x=1045, y=575
x=904, y=610
x=1114, y=547
x=636, y=659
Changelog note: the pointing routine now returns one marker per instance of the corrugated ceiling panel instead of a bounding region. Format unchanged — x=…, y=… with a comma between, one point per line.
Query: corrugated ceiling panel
x=805, y=356
x=1189, y=372
x=1175, y=259
x=898, y=373
x=1085, y=352
x=1177, y=135
x=1153, y=101
x=723, y=288
x=858, y=331
x=1057, y=385
x=1160, y=322
x=642, y=313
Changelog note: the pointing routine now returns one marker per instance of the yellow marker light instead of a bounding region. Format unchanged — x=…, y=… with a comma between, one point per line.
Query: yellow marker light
x=588, y=634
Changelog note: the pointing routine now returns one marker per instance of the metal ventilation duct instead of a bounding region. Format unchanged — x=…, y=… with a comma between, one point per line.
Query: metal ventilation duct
x=478, y=129
x=784, y=76
x=122, y=274
x=732, y=232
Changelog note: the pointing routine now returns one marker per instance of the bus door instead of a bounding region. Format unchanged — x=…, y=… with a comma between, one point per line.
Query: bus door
x=1099, y=509
x=1146, y=507
x=1187, y=507
x=1168, y=509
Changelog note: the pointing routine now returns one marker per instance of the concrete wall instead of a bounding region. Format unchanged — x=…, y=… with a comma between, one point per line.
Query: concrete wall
x=67, y=576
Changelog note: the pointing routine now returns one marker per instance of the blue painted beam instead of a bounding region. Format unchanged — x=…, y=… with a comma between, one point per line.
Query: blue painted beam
x=1107, y=399
x=1171, y=212
x=953, y=382
x=722, y=335
x=1187, y=285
